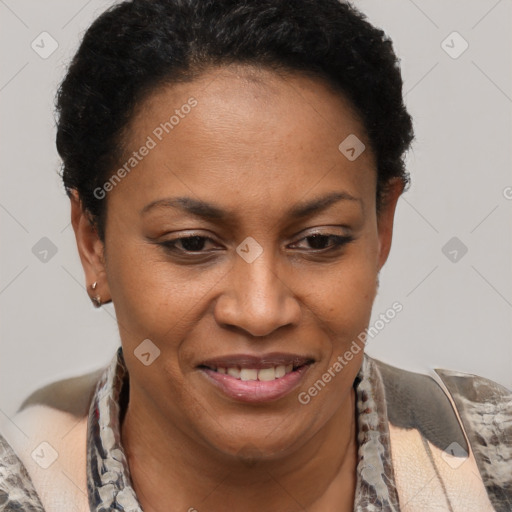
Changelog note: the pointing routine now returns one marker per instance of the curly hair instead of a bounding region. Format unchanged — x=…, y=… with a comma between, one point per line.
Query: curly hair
x=138, y=45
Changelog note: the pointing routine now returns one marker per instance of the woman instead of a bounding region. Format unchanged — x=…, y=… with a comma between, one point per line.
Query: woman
x=233, y=169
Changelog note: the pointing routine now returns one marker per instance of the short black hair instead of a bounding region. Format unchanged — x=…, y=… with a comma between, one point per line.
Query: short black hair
x=136, y=46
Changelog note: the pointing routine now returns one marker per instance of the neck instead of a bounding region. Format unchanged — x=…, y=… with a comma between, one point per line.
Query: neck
x=169, y=468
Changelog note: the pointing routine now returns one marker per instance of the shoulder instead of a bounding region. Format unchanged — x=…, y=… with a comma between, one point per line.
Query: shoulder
x=448, y=404
x=485, y=409
x=459, y=426
x=71, y=395
x=48, y=435
x=16, y=489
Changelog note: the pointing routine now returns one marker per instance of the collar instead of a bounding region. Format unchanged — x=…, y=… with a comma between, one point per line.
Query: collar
x=108, y=475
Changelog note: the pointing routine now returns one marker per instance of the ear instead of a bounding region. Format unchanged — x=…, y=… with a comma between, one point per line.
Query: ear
x=91, y=250
x=385, y=218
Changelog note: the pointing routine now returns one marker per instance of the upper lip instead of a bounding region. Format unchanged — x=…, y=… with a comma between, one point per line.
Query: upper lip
x=256, y=361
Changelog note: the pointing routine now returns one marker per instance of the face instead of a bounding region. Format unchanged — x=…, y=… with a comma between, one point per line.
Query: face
x=244, y=245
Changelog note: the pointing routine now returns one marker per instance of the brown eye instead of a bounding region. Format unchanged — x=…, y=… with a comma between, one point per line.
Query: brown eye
x=193, y=243
x=320, y=241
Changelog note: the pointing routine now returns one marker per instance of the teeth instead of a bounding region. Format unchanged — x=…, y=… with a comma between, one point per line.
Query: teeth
x=234, y=372
x=267, y=374
x=248, y=374
x=280, y=371
x=264, y=374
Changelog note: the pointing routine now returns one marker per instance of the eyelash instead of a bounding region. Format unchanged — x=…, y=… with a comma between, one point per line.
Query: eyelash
x=339, y=242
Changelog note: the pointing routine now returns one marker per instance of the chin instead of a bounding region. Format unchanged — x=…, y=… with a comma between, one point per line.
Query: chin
x=264, y=440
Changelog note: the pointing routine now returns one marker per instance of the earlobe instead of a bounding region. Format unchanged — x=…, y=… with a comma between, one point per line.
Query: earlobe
x=385, y=219
x=91, y=252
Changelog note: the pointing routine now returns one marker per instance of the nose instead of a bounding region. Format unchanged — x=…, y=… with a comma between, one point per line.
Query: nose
x=257, y=299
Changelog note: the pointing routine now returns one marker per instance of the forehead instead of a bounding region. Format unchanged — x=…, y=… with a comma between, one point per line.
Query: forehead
x=251, y=133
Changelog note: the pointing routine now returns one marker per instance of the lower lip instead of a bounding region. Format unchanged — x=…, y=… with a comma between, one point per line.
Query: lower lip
x=256, y=390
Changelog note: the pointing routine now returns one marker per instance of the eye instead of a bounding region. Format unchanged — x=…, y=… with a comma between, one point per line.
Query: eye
x=194, y=243
x=320, y=241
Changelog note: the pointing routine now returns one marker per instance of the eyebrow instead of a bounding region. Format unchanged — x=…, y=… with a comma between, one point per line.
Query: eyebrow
x=210, y=211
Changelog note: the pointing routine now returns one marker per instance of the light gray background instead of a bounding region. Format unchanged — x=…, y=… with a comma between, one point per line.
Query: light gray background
x=456, y=315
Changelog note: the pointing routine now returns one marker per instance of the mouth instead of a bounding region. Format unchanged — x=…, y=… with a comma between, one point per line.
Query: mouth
x=250, y=378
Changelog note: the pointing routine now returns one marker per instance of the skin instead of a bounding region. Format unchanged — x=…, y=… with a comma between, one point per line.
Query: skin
x=257, y=144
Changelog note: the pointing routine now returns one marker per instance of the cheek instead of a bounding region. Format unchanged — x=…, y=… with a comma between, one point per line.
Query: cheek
x=346, y=293
x=154, y=298
x=343, y=303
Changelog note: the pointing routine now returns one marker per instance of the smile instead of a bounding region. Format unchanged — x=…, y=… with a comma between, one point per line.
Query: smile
x=265, y=374
x=256, y=379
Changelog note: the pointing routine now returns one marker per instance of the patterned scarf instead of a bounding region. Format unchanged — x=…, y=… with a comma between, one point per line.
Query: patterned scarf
x=108, y=475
